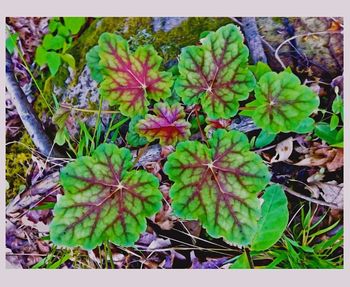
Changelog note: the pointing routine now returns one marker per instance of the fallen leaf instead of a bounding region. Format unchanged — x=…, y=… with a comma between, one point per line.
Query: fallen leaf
x=323, y=156
x=332, y=192
x=283, y=150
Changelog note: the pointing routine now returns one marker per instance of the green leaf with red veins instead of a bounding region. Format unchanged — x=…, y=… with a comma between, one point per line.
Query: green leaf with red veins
x=103, y=200
x=216, y=73
x=282, y=103
x=218, y=185
x=168, y=124
x=131, y=79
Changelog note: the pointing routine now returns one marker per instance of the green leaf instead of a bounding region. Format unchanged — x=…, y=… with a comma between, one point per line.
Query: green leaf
x=274, y=218
x=216, y=73
x=334, y=122
x=40, y=56
x=51, y=42
x=130, y=79
x=168, y=124
x=324, y=132
x=337, y=105
x=11, y=42
x=282, y=102
x=264, y=138
x=53, y=26
x=63, y=31
x=306, y=126
x=53, y=62
x=69, y=59
x=242, y=262
x=259, y=69
x=218, y=185
x=132, y=137
x=74, y=24
x=92, y=60
x=60, y=137
x=103, y=200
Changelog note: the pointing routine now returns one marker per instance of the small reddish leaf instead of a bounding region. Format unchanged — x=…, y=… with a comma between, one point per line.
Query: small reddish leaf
x=168, y=124
x=130, y=79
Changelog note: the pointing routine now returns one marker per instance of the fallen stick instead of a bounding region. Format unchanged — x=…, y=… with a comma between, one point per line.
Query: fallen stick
x=250, y=30
x=313, y=200
x=27, y=114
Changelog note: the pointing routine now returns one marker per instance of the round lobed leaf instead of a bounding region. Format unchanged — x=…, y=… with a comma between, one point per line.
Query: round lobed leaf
x=103, y=200
x=130, y=79
x=282, y=102
x=218, y=185
x=168, y=124
x=216, y=73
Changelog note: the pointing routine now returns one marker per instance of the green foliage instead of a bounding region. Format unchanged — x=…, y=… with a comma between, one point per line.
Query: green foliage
x=274, y=218
x=92, y=61
x=11, y=42
x=216, y=73
x=309, y=244
x=53, y=49
x=103, y=200
x=242, y=262
x=130, y=79
x=168, y=124
x=132, y=137
x=281, y=102
x=218, y=185
x=264, y=138
x=331, y=136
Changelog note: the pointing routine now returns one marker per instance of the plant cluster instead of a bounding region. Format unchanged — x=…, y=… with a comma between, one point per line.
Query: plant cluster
x=217, y=181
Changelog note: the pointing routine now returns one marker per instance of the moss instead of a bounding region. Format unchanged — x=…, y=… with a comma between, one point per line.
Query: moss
x=139, y=31
x=18, y=158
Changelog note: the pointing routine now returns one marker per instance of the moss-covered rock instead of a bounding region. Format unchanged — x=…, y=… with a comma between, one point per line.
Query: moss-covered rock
x=18, y=158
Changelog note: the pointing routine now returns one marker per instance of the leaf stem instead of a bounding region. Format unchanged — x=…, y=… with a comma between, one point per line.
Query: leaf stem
x=199, y=126
x=250, y=260
x=88, y=110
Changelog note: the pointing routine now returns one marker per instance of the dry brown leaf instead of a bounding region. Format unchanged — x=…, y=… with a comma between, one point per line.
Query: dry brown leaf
x=283, y=150
x=331, y=192
x=323, y=156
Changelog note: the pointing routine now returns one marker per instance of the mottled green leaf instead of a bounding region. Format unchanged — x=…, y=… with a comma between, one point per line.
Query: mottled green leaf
x=216, y=73
x=103, y=200
x=168, y=124
x=218, y=185
x=282, y=102
x=131, y=79
x=274, y=218
x=260, y=69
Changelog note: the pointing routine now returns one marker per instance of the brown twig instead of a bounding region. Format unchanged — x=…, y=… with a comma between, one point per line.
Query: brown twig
x=27, y=114
x=320, y=202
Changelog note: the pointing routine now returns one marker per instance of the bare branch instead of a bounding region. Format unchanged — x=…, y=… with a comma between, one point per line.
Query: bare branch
x=27, y=114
